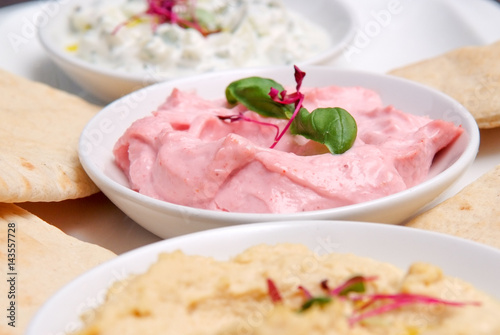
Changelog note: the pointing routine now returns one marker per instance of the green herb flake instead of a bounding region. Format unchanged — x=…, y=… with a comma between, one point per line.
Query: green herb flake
x=320, y=301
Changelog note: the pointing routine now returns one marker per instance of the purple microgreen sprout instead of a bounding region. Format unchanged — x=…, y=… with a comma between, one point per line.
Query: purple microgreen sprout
x=354, y=284
x=241, y=116
x=333, y=127
x=396, y=301
x=305, y=292
x=312, y=300
x=319, y=301
x=163, y=11
x=273, y=291
x=295, y=98
x=354, y=290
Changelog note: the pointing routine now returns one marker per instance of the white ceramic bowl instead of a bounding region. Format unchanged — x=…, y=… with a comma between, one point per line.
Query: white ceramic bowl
x=166, y=219
x=108, y=84
x=397, y=245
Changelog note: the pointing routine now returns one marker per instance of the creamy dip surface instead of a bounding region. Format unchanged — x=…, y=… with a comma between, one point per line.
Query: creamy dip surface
x=252, y=33
x=185, y=154
x=186, y=294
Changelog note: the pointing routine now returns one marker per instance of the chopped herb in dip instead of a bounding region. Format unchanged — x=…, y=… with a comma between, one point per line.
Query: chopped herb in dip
x=174, y=38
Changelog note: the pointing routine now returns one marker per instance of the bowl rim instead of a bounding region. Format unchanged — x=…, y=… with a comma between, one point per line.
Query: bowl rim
x=150, y=77
x=455, y=169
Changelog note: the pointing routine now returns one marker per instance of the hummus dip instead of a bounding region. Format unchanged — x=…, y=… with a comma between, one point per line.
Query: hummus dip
x=185, y=294
x=185, y=154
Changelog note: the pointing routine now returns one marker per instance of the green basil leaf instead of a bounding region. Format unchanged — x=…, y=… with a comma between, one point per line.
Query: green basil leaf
x=253, y=93
x=333, y=127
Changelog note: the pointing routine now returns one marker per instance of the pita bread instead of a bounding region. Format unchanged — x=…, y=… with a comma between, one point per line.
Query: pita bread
x=39, y=131
x=473, y=213
x=46, y=259
x=471, y=75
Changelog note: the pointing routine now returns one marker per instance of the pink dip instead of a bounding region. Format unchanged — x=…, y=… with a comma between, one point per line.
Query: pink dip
x=185, y=154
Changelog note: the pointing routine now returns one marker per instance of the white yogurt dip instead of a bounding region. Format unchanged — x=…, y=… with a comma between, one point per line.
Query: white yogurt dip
x=116, y=35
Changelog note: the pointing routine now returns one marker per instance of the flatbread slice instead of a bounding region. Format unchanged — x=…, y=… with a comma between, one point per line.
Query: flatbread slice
x=44, y=260
x=39, y=131
x=471, y=75
x=473, y=213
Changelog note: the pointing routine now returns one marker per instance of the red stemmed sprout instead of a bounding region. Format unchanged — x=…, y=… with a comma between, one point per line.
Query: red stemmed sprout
x=166, y=11
x=354, y=290
x=332, y=126
x=283, y=98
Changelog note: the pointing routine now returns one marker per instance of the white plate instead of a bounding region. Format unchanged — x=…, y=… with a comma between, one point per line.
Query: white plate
x=398, y=245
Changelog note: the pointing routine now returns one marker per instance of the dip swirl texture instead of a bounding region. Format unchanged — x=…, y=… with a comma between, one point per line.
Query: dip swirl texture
x=185, y=154
x=190, y=294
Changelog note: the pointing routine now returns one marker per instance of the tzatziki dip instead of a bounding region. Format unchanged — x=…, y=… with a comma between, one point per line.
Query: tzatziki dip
x=127, y=35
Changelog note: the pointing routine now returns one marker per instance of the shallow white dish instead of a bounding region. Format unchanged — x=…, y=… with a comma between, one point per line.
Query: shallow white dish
x=166, y=219
x=109, y=84
x=401, y=246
